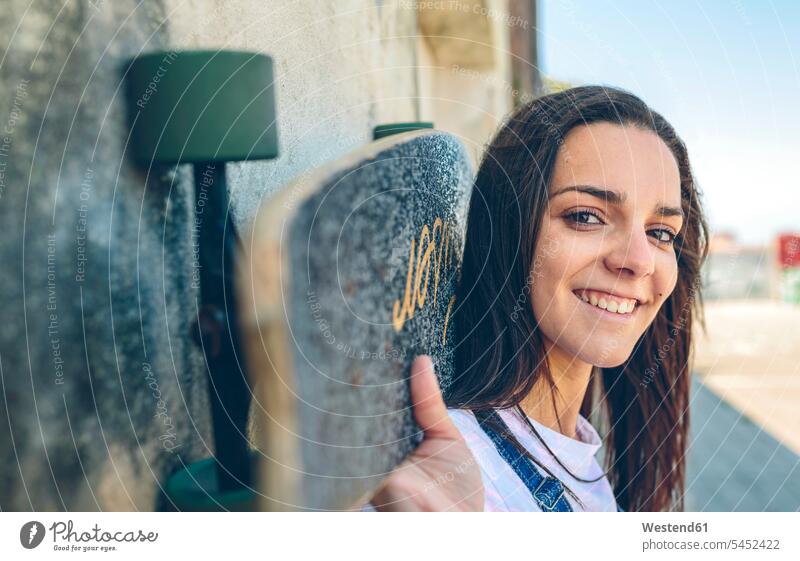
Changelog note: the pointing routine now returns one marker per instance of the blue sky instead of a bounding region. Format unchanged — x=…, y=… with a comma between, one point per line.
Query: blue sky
x=725, y=73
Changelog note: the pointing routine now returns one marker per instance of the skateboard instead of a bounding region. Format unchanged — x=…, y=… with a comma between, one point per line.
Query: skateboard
x=349, y=273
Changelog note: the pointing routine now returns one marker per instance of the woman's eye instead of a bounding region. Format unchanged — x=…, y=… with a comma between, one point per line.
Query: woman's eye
x=584, y=217
x=662, y=235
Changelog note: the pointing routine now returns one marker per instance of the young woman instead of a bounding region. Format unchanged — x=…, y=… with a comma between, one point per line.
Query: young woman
x=578, y=295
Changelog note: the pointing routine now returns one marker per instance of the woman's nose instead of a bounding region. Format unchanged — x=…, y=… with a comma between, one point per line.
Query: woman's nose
x=631, y=255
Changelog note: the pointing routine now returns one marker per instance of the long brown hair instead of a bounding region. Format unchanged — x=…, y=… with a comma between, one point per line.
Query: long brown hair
x=500, y=356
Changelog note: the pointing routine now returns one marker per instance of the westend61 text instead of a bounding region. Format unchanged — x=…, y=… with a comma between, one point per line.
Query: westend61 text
x=693, y=527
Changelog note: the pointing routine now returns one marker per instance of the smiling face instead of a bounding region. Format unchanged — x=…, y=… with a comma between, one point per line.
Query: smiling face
x=605, y=262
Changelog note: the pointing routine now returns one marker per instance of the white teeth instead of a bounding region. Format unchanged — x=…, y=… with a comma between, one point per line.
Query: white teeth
x=624, y=307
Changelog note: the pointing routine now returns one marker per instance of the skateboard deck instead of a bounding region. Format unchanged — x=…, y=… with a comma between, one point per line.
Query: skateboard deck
x=349, y=273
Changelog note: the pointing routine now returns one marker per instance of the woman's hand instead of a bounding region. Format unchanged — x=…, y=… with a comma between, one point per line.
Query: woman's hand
x=441, y=474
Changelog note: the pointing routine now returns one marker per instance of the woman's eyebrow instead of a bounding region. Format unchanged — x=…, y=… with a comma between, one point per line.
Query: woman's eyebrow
x=615, y=198
x=606, y=194
x=666, y=211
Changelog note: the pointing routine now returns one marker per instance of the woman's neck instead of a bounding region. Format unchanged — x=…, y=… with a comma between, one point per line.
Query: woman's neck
x=571, y=377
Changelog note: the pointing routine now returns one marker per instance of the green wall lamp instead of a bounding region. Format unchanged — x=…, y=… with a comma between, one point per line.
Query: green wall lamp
x=207, y=108
x=389, y=129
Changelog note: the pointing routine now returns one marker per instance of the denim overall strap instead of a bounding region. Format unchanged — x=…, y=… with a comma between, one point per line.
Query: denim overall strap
x=548, y=492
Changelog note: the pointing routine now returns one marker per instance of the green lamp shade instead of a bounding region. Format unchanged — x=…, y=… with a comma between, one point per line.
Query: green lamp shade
x=382, y=131
x=202, y=106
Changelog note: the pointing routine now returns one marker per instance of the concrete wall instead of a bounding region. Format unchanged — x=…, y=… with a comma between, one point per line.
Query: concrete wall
x=104, y=394
x=465, y=67
x=102, y=388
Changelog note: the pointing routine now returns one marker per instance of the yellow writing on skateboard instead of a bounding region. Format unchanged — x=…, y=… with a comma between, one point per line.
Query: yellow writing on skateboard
x=432, y=249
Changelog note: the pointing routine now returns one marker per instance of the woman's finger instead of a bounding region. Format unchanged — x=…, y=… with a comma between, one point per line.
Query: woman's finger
x=426, y=397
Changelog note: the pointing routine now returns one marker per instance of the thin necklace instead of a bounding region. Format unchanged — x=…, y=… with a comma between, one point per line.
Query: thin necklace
x=539, y=437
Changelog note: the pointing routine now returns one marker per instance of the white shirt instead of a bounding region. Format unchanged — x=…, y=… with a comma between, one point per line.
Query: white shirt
x=505, y=491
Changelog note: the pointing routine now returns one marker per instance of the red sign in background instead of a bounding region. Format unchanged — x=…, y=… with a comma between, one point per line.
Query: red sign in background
x=789, y=250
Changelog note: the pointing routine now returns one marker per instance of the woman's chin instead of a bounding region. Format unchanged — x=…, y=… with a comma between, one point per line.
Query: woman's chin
x=604, y=358
x=611, y=364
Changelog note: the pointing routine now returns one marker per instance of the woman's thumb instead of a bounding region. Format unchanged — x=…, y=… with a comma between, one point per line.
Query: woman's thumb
x=426, y=397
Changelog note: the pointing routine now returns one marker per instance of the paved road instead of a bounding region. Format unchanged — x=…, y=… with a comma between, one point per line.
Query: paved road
x=750, y=356
x=734, y=465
